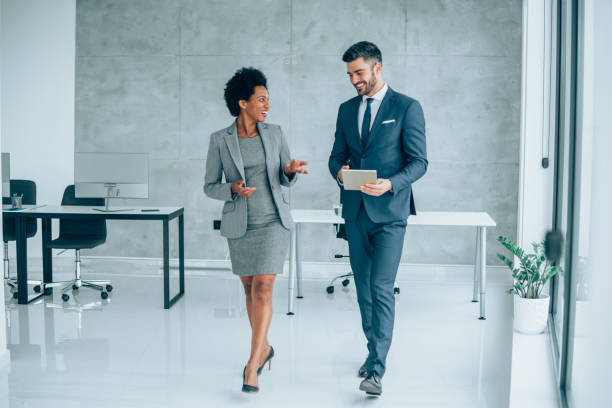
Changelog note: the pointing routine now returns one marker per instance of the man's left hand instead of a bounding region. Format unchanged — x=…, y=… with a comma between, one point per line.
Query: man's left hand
x=377, y=189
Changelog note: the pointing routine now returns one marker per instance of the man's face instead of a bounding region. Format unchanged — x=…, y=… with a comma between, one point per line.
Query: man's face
x=362, y=75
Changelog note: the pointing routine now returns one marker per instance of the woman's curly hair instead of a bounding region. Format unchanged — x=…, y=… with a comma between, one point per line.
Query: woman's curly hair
x=241, y=86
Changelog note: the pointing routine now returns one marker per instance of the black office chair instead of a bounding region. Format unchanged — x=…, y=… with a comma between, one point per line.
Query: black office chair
x=80, y=234
x=27, y=189
x=341, y=234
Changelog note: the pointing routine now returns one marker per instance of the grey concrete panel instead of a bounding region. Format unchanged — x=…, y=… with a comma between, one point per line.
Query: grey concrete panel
x=460, y=59
x=203, y=108
x=319, y=85
x=127, y=27
x=220, y=27
x=329, y=27
x=127, y=104
x=463, y=27
x=470, y=103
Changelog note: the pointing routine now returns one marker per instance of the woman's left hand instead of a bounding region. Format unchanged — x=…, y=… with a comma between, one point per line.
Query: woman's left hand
x=295, y=166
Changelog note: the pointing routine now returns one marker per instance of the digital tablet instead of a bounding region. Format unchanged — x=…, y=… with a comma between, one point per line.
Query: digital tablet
x=354, y=179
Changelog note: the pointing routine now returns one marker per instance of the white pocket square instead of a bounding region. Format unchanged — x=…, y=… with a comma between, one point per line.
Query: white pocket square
x=388, y=121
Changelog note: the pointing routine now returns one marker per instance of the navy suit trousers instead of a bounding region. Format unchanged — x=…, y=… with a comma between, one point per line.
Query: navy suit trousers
x=375, y=250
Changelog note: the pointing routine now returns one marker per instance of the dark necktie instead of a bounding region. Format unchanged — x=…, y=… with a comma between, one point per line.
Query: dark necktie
x=365, y=126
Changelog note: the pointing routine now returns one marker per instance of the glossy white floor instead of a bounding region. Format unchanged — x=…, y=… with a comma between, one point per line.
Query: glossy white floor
x=129, y=352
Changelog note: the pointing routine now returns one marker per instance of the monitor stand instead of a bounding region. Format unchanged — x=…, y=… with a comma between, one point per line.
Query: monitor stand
x=107, y=209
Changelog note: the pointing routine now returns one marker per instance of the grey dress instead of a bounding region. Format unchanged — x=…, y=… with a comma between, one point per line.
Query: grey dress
x=263, y=248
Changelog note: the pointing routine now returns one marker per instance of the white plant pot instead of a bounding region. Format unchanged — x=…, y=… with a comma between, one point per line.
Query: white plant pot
x=531, y=315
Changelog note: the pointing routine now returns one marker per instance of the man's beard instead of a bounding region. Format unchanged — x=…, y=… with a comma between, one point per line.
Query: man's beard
x=370, y=85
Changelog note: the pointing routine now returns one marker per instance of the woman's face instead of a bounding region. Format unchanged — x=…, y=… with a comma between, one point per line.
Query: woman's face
x=258, y=104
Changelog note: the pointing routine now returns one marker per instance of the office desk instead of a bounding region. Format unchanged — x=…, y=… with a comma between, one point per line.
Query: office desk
x=46, y=213
x=480, y=220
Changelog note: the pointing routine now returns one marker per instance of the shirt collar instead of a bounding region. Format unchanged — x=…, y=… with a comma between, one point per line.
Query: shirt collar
x=378, y=95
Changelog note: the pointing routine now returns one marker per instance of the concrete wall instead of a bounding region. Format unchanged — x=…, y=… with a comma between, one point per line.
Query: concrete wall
x=150, y=77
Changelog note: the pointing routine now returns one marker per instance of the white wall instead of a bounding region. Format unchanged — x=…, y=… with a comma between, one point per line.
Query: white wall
x=530, y=354
x=4, y=354
x=38, y=54
x=536, y=184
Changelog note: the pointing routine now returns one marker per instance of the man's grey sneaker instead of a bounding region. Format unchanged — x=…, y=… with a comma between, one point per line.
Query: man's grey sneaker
x=363, y=370
x=371, y=385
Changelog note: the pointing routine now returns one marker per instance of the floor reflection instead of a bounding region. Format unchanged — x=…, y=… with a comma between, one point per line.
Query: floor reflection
x=129, y=351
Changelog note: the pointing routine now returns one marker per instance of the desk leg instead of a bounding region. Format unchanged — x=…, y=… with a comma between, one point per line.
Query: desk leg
x=181, y=246
x=22, y=261
x=298, y=262
x=476, y=266
x=181, y=232
x=47, y=257
x=291, y=271
x=483, y=270
x=166, y=265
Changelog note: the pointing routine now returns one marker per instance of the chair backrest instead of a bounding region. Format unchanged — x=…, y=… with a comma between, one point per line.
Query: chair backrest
x=27, y=188
x=84, y=228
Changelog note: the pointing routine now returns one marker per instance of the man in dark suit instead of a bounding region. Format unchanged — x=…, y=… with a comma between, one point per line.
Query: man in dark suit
x=381, y=130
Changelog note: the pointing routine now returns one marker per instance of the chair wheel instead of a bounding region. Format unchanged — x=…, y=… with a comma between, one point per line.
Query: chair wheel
x=65, y=297
x=48, y=291
x=75, y=287
x=109, y=288
x=330, y=289
x=396, y=291
x=104, y=295
x=37, y=288
x=15, y=295
x=345, y=282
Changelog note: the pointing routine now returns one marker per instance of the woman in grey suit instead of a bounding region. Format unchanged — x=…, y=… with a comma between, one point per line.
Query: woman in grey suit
x=254, y=158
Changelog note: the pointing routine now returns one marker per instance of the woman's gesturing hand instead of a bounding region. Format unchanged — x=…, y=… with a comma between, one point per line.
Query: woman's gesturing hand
x=295, y=166
x=237, y=187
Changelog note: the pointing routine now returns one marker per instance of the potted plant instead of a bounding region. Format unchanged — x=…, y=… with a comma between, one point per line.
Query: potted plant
x=530, y=276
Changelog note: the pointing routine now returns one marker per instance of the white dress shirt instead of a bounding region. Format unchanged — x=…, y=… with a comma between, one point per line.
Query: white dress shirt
x=374, y=105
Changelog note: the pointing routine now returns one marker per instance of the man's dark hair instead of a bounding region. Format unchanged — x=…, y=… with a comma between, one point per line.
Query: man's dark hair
x=365, y=49
x=241, y=86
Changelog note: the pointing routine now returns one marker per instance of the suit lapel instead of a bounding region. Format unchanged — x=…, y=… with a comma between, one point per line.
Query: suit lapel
x=231, y=139
x=263, y=130
x=383, y=111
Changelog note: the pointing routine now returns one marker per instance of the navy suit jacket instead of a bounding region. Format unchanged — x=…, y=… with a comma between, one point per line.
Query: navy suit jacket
x=396, y=149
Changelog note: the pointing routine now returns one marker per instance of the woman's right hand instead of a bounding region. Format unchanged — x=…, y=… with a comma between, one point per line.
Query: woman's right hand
x=242, y=191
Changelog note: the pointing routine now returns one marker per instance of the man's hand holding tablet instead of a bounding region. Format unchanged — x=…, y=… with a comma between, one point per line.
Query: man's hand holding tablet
x=363, y=180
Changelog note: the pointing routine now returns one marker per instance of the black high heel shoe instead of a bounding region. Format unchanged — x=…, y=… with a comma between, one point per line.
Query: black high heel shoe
x=247, y=387
x=267, y=360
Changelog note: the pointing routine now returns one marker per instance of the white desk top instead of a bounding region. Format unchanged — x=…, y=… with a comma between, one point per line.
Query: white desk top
x=448, y=218
x=89, y=210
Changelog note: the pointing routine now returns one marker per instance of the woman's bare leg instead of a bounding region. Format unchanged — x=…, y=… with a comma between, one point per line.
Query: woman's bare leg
x=262, y=287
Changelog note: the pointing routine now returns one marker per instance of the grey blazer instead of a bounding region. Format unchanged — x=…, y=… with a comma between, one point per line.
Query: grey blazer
x=224, y=158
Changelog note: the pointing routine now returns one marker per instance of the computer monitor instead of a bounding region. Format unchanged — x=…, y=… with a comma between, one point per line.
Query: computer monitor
x=6, y=175
x=111, y=175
